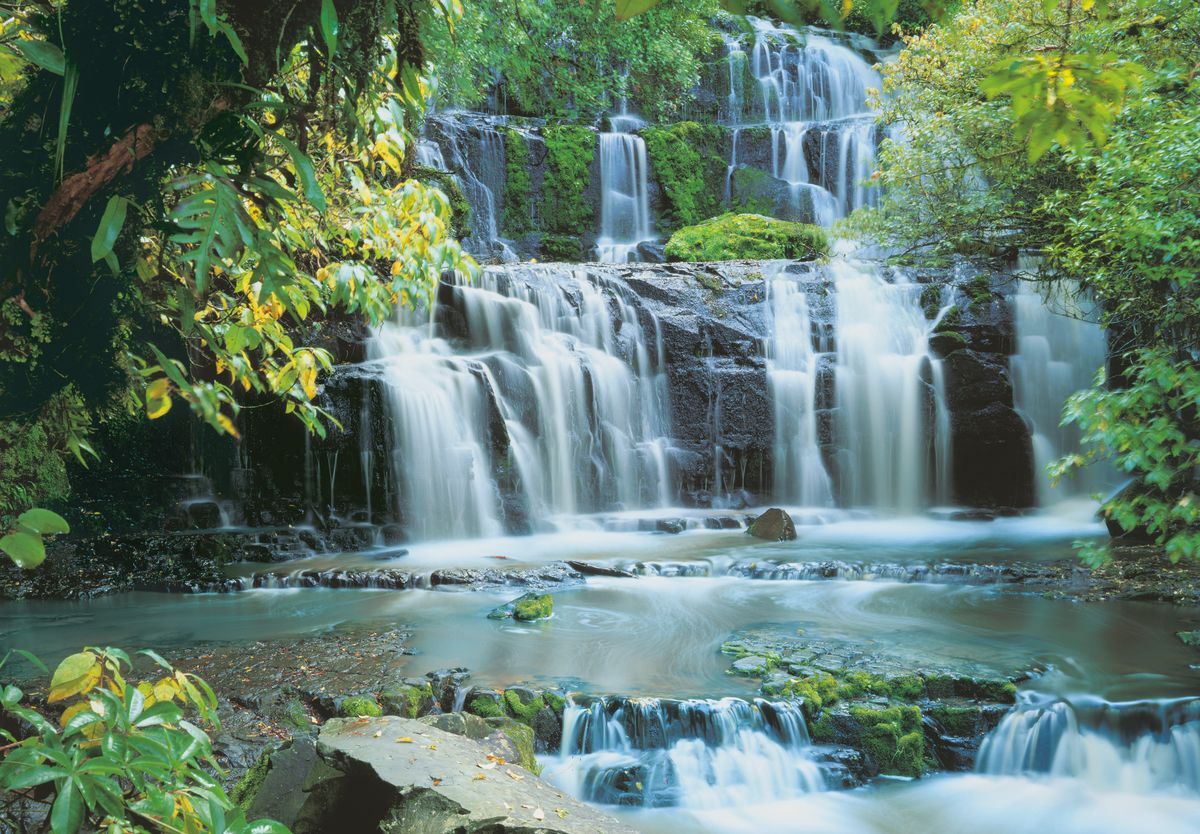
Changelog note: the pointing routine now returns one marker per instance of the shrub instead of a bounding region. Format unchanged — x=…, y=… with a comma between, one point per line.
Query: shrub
x=121, y=756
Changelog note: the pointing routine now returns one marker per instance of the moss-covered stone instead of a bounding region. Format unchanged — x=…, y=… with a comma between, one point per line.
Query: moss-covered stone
x=485, y=706
x=892, y=738
x=530, y=608
x=747, y=237
x=931, y=300
x=360, y=706
x=817, y=691
x=751, y=191
x=460, y=223
x=247, y=788
x=555, y=701
x=522, y=738
x=962, y=721
x=409, y=701
x=687, y=160
x=951, y=320
x=523, y=712
x=822, y=730
x=979, y=290
x=569, y=153
x=518, y=200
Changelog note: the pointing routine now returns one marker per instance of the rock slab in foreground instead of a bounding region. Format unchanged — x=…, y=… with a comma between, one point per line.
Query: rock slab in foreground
x=431, y=784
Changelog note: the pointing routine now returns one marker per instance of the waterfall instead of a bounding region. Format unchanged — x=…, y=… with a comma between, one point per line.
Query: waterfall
x=1135, y=747
x=812, y=93
x=624, y=192
x=882, y=399
x=473, y=151
x=551, y=401
x=694, y=754
x=1059, y=350
x=800, y=474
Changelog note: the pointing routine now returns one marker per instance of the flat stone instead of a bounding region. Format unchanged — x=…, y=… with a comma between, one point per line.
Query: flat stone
x=433, y=785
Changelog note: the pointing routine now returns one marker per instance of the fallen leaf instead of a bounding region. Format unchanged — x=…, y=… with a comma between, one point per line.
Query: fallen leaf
x=562, y=813
x=539, y=814
x=487, y=766
x=479, y=776
x=516, y=777
x=497, y=759
x=378, y=733
x=404, y=740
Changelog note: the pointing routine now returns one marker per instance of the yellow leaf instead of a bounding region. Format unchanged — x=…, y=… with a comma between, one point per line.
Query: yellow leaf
x=165, y=690
x=158, y=398
x=72, y=711
x=404, y=740
x=74, y=676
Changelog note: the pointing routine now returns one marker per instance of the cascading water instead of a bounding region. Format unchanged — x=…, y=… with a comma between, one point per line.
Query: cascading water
x=695, y=754
x=624, y=192
x=474, y=152
x=1060, y=348
x=553, y=393
x=1134, y=747
x=792, y=362
x=883, y=402
x=812, y=93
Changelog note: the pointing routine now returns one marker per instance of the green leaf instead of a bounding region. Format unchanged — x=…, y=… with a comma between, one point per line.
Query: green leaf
x=110, y=227
x=26, y=549
x=45, y=55
x=308, y=174
x=265, y=826
x=70, y=85
x=632, y=8
x=43, y=521
x=29, y=777
x=329, y=25
x=67, y=814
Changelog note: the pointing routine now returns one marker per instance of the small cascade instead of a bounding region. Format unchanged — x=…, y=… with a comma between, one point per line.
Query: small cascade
x=624, y=192
x=886, y=407
x=1059, y=350
x=472, y=150
x=550, y=401
x=812, y=93
x=792, y=362
x=695, y=754
x=1135, y=747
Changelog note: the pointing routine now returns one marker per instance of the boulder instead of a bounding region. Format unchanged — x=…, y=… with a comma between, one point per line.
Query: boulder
x=527, y=608
x=775, y=525
x=413, y=778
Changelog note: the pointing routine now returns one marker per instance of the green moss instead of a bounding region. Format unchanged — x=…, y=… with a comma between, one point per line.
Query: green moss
x=485, y=707
x=956, y=720
x=687, y=160
x=533, y=607
x=518, y=205
x=407, y=701
x=569, y=153
x=459, y=207
x=522, y=738
x=562, y=248
x=892, y=738
x=817, y=691
x=523, y=712
x=951, y=320
x=31, y=472
x=556, y=702
x=297, y=717
x=931, y=300
x=246, y=790
x=710, y=282
x=750, y=191
x=907, y=687
x=747, y=236
x=360, y=706
x=822, y=730
x=1002, y=692
x=939, y=686
x=858, y=684
x=979, y=290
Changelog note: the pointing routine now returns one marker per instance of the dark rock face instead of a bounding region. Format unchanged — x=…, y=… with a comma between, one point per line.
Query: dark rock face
x=775, y=525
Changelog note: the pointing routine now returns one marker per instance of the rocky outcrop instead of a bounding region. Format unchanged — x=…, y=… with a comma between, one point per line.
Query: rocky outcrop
x=408, y=777
x=775, y=525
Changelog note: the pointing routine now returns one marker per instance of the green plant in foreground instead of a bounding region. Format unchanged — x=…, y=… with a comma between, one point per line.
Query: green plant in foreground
x=25, y=544
x=121, y=758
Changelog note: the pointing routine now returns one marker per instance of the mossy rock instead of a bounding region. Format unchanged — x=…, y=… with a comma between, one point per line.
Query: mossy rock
x=822, y=730
x=747, y=237
x=518, y=204
x=246, y=790
x=460, y=209
x=527, y=608
x=360, y=706
x=688, y=160
x=408, y=701
x=522, y=739
x=961, y=721
x=485, y=705
x=522, y=707
x=570, y=150
x=979, y=290
x=892, y=738
x=931, y=300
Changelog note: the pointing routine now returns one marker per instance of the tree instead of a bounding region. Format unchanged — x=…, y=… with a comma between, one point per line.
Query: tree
x=183, y=184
